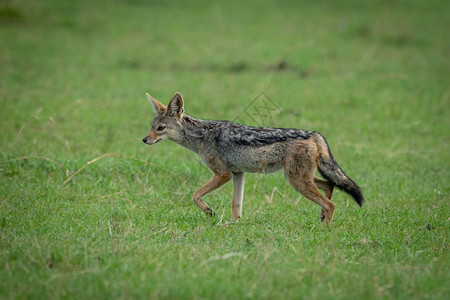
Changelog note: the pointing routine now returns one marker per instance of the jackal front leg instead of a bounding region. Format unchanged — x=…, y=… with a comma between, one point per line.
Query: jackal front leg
x=238, y=194
x=214, y=183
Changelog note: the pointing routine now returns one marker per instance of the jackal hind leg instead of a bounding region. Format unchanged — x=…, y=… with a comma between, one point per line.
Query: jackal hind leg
x=328, y=189
x=214, y=183
x=299, y=168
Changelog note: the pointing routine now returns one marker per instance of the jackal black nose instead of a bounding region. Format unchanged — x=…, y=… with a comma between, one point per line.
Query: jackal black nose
x=144, y=140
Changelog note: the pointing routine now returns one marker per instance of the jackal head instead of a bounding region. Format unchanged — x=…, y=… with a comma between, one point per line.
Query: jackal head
x=166, y=124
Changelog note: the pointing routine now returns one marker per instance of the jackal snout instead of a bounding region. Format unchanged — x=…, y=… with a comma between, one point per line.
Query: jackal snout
x=150, y=141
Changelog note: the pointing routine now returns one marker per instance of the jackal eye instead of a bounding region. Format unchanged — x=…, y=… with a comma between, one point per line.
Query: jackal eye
x=161, y=128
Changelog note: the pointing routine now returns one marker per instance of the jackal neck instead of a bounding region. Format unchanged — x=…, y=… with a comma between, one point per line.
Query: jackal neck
x=194, y=132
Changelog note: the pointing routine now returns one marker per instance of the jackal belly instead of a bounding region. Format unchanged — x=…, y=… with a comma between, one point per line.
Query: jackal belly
x=264, y=159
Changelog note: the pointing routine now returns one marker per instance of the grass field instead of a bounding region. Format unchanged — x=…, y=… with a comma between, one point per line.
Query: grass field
x=87, y=211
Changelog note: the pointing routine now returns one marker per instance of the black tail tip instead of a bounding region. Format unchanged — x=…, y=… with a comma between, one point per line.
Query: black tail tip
x=359, y=198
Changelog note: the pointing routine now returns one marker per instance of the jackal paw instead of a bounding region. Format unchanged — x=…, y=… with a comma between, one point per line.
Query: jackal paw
x=322, y=216
x=229, y=223
x=210, y=213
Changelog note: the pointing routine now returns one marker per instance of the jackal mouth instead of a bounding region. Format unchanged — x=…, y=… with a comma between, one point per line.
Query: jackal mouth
x=151, y=143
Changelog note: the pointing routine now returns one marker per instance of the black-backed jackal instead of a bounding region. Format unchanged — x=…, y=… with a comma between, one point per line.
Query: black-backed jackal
x=231, y=149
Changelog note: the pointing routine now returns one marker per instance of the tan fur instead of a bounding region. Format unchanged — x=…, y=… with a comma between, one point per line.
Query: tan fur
x=299, y=167
x=213, y=184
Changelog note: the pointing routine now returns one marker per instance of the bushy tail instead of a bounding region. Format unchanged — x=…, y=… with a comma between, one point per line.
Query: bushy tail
x=329, y=169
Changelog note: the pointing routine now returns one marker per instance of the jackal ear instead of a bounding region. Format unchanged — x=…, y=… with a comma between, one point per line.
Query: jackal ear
x=176, y=106
x=158, y=107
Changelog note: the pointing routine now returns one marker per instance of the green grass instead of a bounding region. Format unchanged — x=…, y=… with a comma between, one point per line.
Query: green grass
x=370, y=76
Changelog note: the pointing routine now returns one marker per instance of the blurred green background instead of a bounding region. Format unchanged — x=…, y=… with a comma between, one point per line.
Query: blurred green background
x=88, y=210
